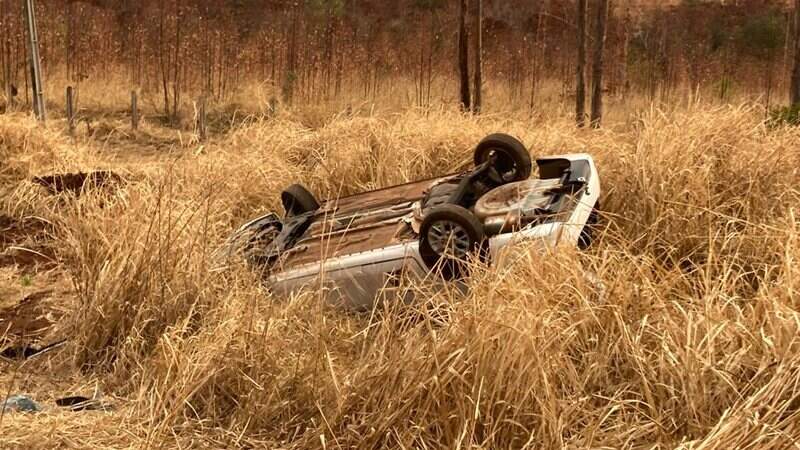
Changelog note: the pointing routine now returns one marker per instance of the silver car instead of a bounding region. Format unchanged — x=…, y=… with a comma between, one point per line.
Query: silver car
x=353, y=248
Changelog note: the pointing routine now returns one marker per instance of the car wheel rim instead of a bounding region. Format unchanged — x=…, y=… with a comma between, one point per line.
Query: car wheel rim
x=450, y=239
x=505, y=164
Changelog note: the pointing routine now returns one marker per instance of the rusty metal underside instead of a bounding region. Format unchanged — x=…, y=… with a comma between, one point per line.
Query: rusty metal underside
x=359, y=223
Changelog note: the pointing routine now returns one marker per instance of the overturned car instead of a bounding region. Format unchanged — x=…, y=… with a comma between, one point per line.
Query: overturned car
x=356, y=246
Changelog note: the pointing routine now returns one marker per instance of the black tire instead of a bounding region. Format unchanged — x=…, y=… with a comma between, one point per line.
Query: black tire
x=587, y=233
x=447, y=236
x=512, y=160
x=298, y=200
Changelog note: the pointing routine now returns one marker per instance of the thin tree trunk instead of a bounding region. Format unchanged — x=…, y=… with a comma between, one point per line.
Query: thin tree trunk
x=273, y=60
x=291, y=60
x=478, y=82
x=5, y=50
x=625, y=46
x=539, y=51
x=795, y=89
x=463, y=55
x=597, y=63
x=68, y=41
x=429, y=80
x=207, y=63
x=419, y=79
x=176, y=86
x=330, y=34
x=580, y=84
x=787, y=47
x=162, y=62
x=221, y=52
x=768, y=82
x=340, y=56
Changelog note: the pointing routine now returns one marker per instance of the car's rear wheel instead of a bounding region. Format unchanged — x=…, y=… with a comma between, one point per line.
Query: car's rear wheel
x=298, y=200
x=449, y=234
x=512, y=162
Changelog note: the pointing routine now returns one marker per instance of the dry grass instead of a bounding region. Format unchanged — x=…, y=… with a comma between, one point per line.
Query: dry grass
x=689, y=340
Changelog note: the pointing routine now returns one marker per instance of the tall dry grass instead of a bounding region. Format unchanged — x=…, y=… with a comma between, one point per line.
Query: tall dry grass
x=677, y=329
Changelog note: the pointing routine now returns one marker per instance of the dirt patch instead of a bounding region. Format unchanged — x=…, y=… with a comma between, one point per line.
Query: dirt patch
x=77, y=182
x=32, y=306
x=15, y=230
x=26, y=320
x=27, y=258
x=21, y=241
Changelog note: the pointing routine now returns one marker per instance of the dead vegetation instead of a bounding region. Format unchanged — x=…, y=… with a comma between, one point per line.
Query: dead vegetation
x=689, y=339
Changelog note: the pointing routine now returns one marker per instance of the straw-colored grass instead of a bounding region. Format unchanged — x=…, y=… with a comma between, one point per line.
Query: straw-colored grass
x=677, y=329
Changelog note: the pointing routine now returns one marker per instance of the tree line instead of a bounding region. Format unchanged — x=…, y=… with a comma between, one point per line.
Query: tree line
x=315, y=50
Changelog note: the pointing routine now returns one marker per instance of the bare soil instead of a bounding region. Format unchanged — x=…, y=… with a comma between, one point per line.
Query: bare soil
x=27, y=319
x=32, y=283
x=23, y=243
x=75, y=182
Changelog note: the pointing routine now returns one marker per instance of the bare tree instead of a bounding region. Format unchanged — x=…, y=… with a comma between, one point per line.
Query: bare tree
x=69, y=38
x=423, y=78
x=795, y=88
x=207, y=67
x=5, y=52
x=539, y=50
x=580, y=84
x=463, y=55
x=162, y=51
x=478, y=81
x=597, y=62
x=291, y=58
x=623, y=84
x=176, y=63
x=330, y=43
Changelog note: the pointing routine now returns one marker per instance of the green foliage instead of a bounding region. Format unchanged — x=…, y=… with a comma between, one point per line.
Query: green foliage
x=761, y=36
x=787, y=115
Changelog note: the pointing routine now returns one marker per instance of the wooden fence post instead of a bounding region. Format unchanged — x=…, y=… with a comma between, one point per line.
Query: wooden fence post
x=71, y=110
x=134, y=112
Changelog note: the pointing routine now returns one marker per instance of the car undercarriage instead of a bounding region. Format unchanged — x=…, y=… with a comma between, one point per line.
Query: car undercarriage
x=351, y=244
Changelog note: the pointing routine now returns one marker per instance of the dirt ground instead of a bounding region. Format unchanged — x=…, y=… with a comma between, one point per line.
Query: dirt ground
x=31, y=281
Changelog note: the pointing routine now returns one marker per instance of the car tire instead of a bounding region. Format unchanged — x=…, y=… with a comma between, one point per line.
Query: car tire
x=298, y=200
x=512, y=163
x=449, y=234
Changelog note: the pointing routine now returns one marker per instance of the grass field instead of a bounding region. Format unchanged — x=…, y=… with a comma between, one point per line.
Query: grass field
x=690, y=340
